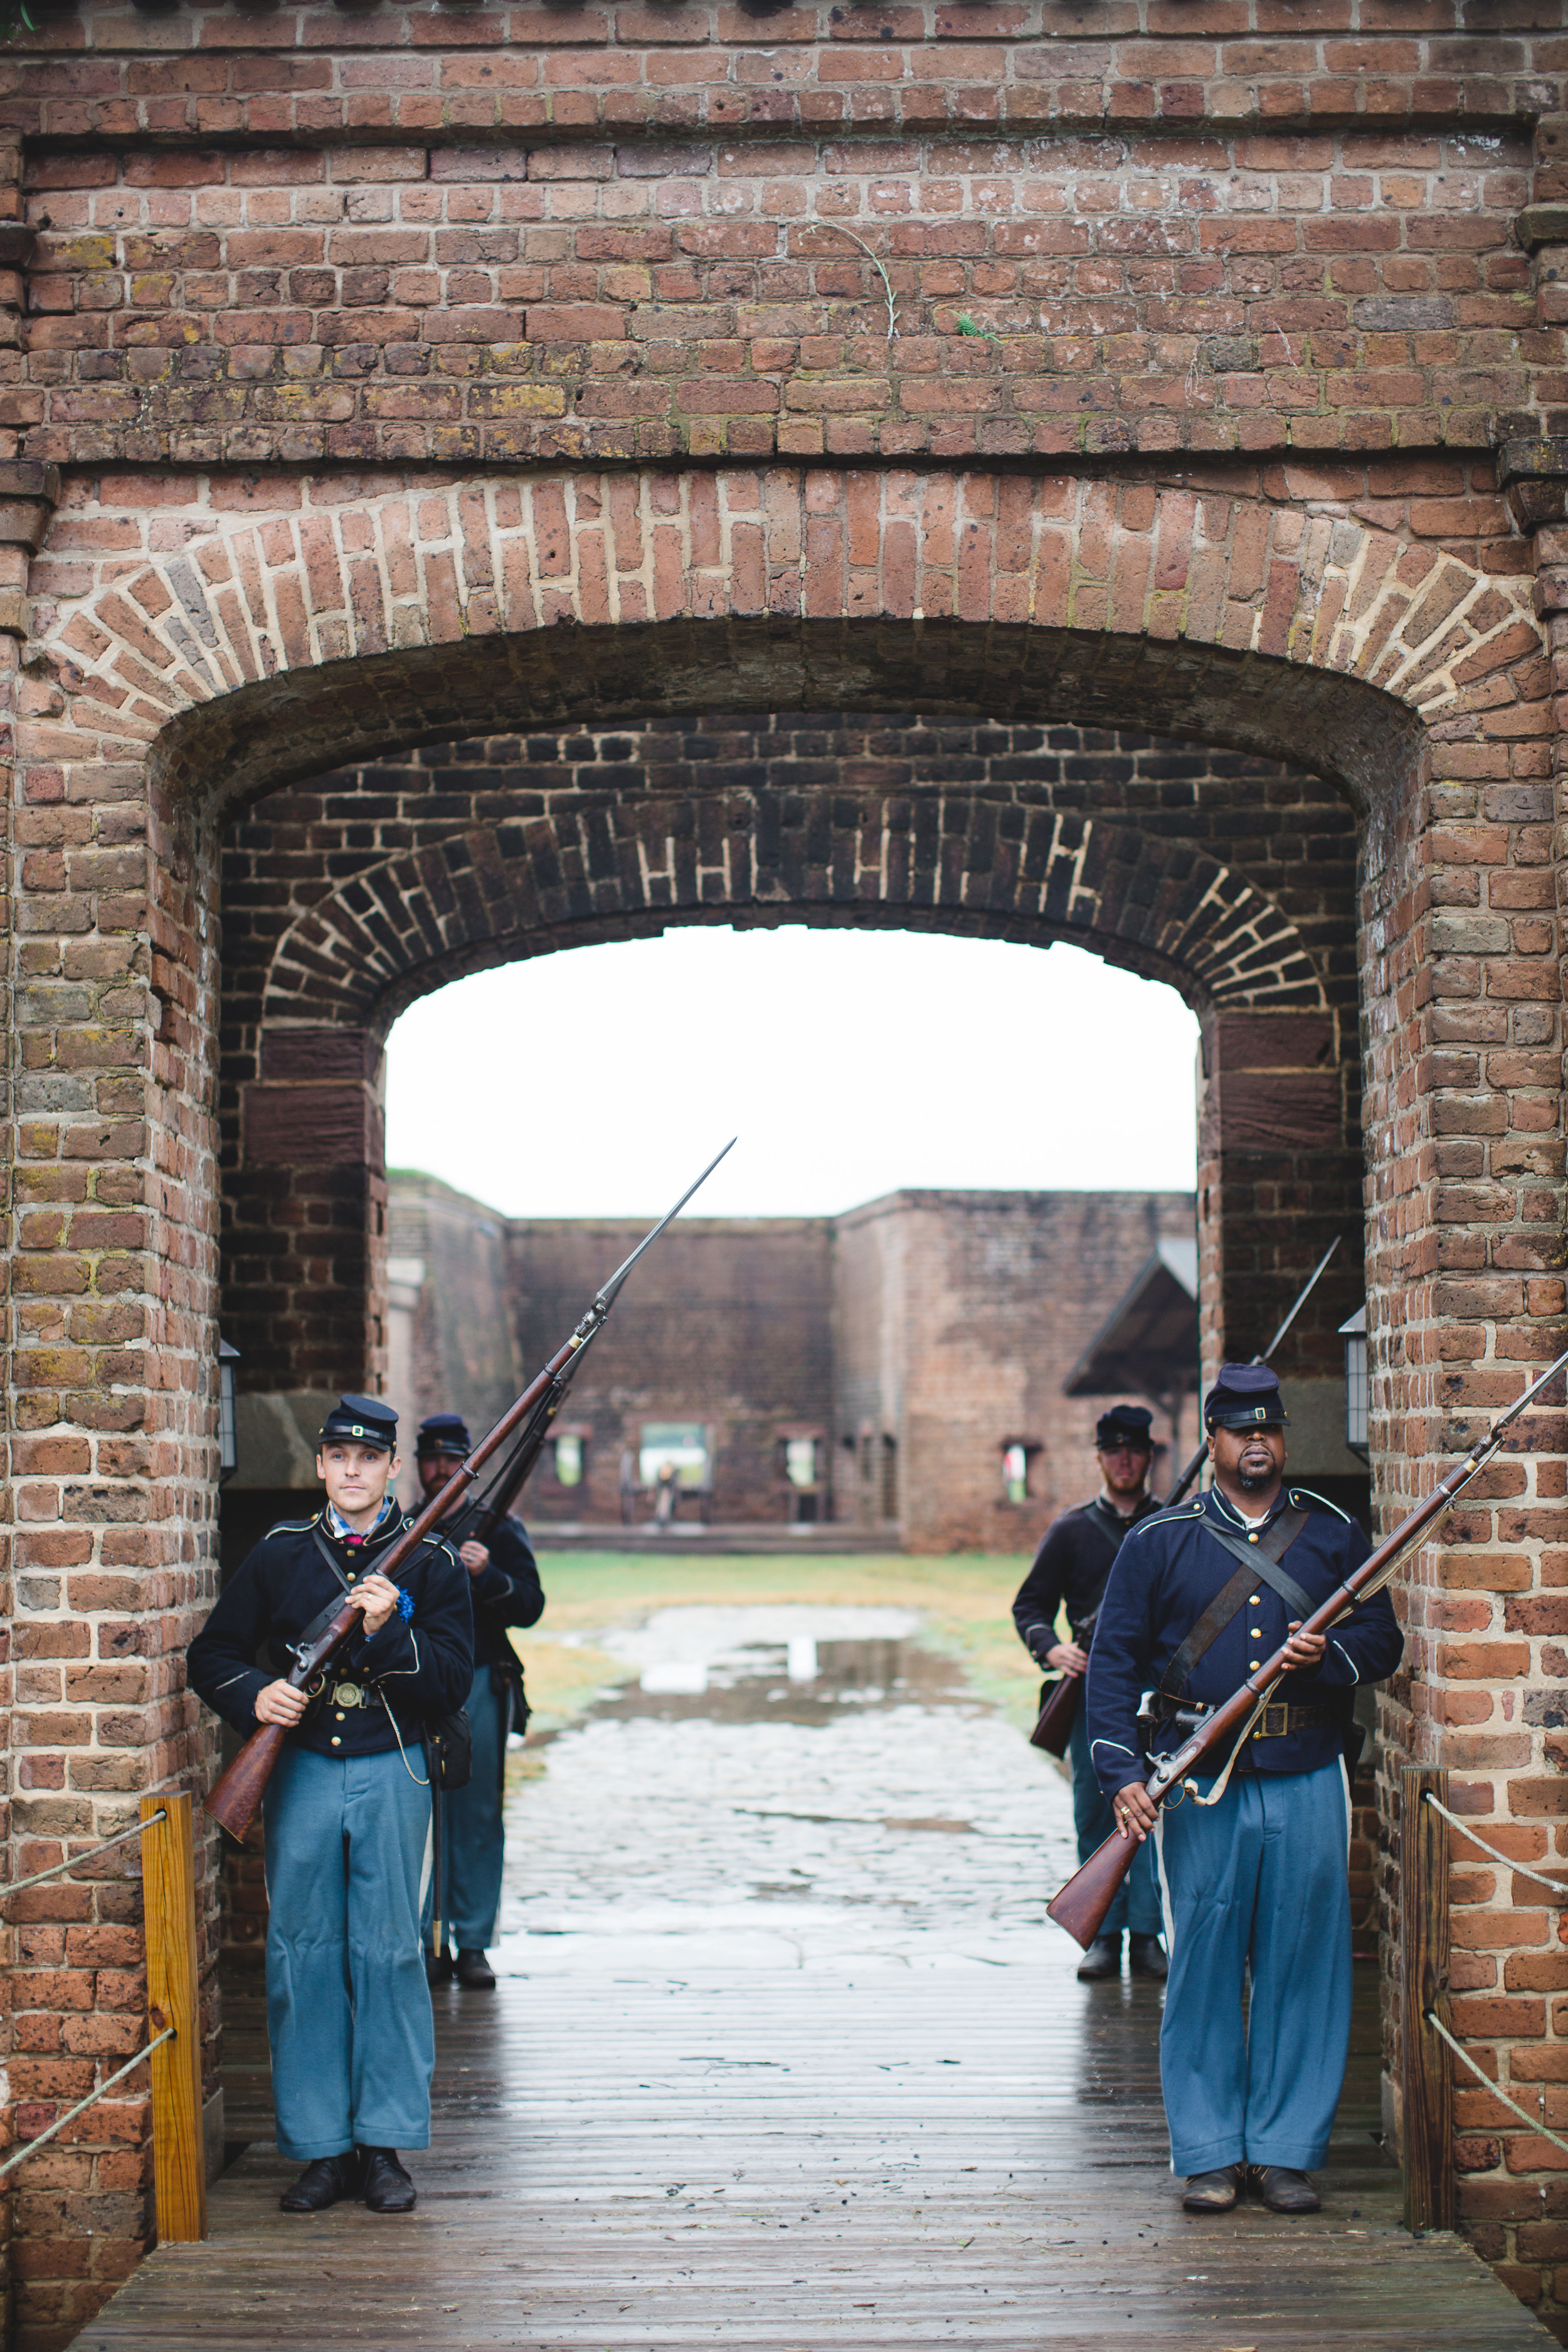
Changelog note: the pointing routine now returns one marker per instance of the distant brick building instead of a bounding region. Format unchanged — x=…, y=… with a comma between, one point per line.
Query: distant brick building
x=899, y=1372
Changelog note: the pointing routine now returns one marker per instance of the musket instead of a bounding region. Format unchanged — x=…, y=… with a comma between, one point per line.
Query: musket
x=1202, y=1456
x=237, y=1799
x=1081, y=1905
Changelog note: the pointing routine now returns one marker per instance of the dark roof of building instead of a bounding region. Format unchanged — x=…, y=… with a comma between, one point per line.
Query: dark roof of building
x=1149, y=1345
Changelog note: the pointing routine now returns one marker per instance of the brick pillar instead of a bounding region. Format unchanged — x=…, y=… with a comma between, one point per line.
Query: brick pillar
x=304, y=1257
x=1279, y=1175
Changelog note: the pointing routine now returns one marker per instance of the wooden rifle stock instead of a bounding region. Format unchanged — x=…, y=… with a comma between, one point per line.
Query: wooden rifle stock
x=1081, y=1905
x=236, y=1799
x=1057, y=1717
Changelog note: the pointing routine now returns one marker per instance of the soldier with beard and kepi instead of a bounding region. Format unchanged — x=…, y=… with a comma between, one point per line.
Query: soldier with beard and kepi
x=1075, y=1557
x=347, y=1809
x=504, y=1586
x=1253, y=1859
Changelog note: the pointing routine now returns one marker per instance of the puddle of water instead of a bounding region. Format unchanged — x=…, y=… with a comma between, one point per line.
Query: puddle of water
x=725, y=1812
x=767, y=1682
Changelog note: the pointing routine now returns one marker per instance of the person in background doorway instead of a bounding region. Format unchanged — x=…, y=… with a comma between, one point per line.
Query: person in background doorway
x=347, y=1810
x=506, y=1590
x=1071, y=1568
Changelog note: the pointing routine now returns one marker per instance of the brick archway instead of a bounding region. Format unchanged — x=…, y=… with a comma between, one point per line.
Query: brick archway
x=270, y=647
x=203, y=665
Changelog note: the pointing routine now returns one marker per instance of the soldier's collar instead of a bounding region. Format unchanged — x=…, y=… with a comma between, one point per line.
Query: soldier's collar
x=1234, y=1517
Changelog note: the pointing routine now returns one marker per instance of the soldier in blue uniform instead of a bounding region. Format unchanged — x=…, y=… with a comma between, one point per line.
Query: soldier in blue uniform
x=1070, y=1569
x=505, y=1589
x=1254, y=1879
x=347, y=1811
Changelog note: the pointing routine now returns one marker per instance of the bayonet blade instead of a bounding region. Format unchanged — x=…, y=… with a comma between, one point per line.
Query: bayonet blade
x=607, y=1295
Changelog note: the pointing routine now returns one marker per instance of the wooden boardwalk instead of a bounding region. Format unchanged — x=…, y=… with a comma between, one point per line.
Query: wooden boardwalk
x=785, y=2057
x=788, y=2163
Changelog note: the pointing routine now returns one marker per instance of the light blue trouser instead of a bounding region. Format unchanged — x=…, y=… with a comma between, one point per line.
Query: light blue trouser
x=347, y=2009
x=1137, y=1904
x=473, y=1843
x=1259, y=1881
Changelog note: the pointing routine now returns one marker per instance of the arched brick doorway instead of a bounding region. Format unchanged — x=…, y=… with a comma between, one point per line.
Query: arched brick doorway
x=181, y=687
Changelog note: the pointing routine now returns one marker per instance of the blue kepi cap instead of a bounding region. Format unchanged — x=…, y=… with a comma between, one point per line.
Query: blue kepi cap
x=443, y=1432
x=369, y=1420
x=1244, y=1396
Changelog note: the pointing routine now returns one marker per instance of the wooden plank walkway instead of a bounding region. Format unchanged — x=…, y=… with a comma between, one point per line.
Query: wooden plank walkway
x=783, y=2056
x=786, y=2163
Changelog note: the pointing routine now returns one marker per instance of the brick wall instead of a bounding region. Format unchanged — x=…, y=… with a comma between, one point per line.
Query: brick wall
x=364, y=445
x=727, y=1322
x=960, y=1317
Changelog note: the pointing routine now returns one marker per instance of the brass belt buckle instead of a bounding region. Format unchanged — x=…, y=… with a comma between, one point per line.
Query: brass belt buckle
x=349, y=1695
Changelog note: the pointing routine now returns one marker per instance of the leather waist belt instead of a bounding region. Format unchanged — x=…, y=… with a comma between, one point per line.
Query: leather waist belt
x=1278, y=1721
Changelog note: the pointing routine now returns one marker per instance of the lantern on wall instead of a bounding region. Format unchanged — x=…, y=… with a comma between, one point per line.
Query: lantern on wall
x=228, y=1447
x=1358, y=1384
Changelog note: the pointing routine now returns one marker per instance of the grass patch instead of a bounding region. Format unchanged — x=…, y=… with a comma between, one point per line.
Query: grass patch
x=965, y=1598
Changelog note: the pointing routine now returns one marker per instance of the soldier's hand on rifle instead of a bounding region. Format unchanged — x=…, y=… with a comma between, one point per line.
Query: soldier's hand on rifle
x=279, y=1702
x=1068, y=1658
x=474, y=1557
x=1136, y=1811
x=1305, y=1649
x=379, y=1596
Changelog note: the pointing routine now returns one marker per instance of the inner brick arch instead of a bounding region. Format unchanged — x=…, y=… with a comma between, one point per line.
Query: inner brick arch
x=347, y=897
x=485, y=897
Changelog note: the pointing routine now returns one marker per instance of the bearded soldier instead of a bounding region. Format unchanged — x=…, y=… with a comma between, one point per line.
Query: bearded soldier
x=347, y=1811
x=505, y=1589
x=1254, y=1873
x=1069, y=1572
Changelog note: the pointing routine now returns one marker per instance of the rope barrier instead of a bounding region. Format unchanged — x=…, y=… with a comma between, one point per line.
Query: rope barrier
x=1531, y=2122
x=75, y=1861
x=82, y=2106
x=1507, y=1861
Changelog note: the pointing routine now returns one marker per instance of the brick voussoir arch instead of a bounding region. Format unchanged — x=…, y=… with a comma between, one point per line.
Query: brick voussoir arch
x=493, y=896
x=1207, y=613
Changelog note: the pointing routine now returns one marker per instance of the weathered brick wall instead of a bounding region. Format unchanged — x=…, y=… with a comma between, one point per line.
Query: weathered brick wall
x=727, y=1322
x=959, y=1317
x=364, y=446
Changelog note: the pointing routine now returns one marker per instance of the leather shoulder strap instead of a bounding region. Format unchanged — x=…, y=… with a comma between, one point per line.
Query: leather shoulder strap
x=1209, y=1628
x=1260, y=1565
x=325, y=1548
x=1266, y=1554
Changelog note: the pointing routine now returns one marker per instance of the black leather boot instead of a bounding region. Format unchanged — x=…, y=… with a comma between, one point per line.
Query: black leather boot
x=1284, y=2191
x=1214, y=2192
x=474, y=1971
x=387, y=2186
x=438, y=1967
x=1146, y=1957
x=324, y=2182
x=1103, y=1958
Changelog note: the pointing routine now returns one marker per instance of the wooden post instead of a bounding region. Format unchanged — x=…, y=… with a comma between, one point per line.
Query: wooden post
x=1426, y=2067
x=169, y=1903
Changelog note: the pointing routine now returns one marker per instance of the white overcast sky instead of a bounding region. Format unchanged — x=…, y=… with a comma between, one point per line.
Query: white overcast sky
x=596, y=1082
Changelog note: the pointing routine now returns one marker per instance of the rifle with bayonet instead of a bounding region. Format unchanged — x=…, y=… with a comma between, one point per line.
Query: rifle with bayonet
x=1082, y=1906
x=237, y=1799
x=1202, y=1456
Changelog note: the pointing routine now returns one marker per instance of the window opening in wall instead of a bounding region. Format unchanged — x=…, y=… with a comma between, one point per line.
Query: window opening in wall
x=889, y=1477
x=571, y=1456
x=673, y=1448
x=1017, y=1458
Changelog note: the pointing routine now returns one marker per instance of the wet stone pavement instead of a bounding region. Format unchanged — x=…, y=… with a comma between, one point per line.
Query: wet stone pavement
x=784, y=2055
x=786, y=1788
